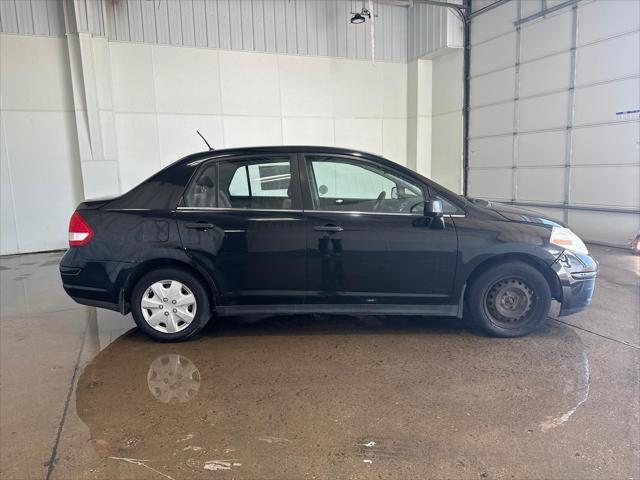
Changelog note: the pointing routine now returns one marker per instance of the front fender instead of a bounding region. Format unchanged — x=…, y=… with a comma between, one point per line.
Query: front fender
x=482, y=241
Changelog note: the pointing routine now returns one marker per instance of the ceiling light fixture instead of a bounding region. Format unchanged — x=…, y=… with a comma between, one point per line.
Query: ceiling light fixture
x=361, y=16
x=357, y=18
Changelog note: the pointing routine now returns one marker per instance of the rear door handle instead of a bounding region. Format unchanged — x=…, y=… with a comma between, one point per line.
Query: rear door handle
x=328, y=228
x=200, y=225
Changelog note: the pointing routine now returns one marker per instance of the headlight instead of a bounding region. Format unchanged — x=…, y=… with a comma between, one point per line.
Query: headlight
x=565, y=238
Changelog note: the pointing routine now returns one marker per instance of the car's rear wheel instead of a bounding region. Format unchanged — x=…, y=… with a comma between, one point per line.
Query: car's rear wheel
x=170, y=304
x=509, y=300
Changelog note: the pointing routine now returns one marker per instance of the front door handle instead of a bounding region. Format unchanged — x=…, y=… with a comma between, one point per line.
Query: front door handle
x=200, y=225
x=328, y=228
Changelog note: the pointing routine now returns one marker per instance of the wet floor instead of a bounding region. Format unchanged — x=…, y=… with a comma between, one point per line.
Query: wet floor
x=84, y=395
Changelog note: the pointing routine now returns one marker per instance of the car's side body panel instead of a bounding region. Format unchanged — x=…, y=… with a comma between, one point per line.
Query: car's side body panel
x=380, y=259
x=255, y=257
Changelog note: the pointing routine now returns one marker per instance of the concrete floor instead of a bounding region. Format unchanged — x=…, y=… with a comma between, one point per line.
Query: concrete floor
x=84, y=395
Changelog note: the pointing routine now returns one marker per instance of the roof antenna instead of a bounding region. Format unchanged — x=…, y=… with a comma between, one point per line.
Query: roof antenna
x=204, y=140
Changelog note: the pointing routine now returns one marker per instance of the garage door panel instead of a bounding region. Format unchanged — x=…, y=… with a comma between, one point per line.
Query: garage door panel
x=494, y=54
x=494, y=183
x=599, y=103
x=617, y=143
x=493, y=87
x=606, y=186
x=495, y=22
x=546, y=36
x=545, y=75
x=491, y=152
x=531, y=7
x=493, y=120
x=614, y=58
x=540, y=185
x=551, y=213
x=542, y=148
x=604, y=18
x=606, y=227
x=540, y=113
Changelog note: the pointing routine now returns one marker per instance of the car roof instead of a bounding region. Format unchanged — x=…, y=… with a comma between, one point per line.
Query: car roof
x=226, y=152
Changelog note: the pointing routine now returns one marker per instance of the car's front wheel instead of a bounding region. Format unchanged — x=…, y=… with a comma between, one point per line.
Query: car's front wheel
x=170, y=304
x=509, y=300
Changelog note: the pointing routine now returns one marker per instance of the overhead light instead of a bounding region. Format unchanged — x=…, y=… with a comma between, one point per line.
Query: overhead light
x=361, y=16
x=357, y=18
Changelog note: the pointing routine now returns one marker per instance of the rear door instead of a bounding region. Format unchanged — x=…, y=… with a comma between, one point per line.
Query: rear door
x=368, y=242
x=241, y=219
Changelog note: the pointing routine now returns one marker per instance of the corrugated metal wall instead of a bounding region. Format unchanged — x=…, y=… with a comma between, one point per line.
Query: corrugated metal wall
x=303, y=27
x=32, y=17
x=298, y=27
x=552, y=122
x=431, y=28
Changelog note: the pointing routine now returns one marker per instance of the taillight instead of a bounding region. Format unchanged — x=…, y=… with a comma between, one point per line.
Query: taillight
x=80, y=232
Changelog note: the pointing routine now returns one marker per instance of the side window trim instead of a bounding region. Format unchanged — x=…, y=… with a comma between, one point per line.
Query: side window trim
x=296, y=188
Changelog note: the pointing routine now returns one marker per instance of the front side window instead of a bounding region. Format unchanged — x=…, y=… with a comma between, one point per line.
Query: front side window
x=254, y=183
x=341, y=184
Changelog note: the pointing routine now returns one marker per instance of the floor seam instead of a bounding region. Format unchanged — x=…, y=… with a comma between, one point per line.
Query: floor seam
x=54, y=450
x=637, y=347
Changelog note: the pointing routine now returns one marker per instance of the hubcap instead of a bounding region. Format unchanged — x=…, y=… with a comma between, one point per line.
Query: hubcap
x=510, y=302
x=168, y=306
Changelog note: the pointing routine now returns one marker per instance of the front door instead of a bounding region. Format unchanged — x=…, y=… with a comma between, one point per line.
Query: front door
x=242, y=220
x=365, y=244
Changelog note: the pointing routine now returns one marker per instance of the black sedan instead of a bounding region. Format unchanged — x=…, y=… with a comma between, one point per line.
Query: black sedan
x=290, y=230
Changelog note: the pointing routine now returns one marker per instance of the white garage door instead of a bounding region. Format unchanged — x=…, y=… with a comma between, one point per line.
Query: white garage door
x=555, y=108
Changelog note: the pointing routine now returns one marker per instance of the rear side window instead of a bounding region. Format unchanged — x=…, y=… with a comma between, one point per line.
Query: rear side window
x=255, y=183
x=202, y=191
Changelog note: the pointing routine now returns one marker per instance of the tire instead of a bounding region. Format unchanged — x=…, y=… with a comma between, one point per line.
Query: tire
x=177, y=302
x=509, y=300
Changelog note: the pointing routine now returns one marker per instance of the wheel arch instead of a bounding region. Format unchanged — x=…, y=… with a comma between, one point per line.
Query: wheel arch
x=152, y=264
x=545, y=269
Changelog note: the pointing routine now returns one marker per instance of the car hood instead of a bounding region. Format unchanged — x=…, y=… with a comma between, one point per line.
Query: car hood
x=515, y=214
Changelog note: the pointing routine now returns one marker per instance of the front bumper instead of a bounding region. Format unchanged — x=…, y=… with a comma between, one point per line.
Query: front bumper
x=577, y=275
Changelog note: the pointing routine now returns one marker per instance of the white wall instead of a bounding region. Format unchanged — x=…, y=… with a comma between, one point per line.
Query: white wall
x=41, y=182
x=446, y=120
x=419, y=107
x=162, y=94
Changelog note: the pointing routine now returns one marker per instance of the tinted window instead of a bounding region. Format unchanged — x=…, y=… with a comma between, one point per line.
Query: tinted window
x=340, y=184
x=256, y=183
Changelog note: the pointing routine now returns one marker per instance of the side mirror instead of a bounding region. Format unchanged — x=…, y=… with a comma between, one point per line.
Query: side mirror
x=433, y=208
